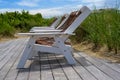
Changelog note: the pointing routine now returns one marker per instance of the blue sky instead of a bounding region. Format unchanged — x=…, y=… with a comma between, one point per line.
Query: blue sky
x=50, y=8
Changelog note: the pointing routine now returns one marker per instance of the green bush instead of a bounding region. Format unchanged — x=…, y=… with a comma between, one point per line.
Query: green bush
x=6, y=30
x=12, y=22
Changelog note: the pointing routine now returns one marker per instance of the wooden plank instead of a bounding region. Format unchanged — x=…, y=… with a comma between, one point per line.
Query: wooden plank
x=9, y=54
x=35, y=69
x=113, y=66
x=9, y=64
x=13, y=72
x=119, y=65
x=6, y=47
x=69, y=71
x=82, y=71
x=23, y=74
x=5, y=44
x=108, y=71
x=91, y=68
x=45, y=68
x=57, y=70
x=54, y=67
x=3, y=52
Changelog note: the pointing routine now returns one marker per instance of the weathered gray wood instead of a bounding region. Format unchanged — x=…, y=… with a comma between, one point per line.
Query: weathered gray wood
x=94, y=70
x=9, y=64
x=23, y=74
x=13, y=72
x=35, y=69
x=57, y=70
x=5, y=50
x=108, y=71
x=113, y=66
x=45, y=68
x=53, y=67
x=11, y=52
x=5, y=44
x=82, y=71
x=69, y=71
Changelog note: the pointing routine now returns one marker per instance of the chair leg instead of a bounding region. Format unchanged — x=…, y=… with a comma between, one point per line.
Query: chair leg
x=66, y=51
x=69, y=57
x=26, y=53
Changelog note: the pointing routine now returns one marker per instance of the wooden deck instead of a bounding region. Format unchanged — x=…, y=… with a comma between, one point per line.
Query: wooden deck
x=53, y=67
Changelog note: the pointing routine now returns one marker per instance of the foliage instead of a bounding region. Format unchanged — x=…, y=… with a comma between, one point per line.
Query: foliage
x=102, y=27
x=12, y=22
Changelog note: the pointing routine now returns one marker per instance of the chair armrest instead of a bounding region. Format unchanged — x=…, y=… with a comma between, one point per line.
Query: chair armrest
x=45, y=27
x=52, y=34
x=46, y=31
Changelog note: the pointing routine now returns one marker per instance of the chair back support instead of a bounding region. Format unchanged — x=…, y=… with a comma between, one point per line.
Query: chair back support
x=62, y=21
x=55, y=22
x=59, y=21
x=70, y=20
x=81, y=16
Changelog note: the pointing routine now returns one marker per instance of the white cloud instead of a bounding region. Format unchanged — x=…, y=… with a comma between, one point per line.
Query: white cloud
x=95, y=3
x=50, y=12
x=9, y=10
x=56, y=11
x=47, y=12
x=28, y=3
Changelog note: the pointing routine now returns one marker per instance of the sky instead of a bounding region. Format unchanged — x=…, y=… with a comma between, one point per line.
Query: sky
x=51, y=8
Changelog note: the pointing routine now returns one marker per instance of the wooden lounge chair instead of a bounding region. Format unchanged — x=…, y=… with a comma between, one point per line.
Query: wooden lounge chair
x=53, y=25
x=58, y=45
x=51, y=29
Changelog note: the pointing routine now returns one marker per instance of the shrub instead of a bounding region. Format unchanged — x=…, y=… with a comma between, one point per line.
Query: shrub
x=6, y=30
x=102, y=28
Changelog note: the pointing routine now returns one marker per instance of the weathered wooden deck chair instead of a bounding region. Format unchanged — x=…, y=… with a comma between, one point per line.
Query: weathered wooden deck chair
x=52, y=26
x=51, y=29
x=57, y=45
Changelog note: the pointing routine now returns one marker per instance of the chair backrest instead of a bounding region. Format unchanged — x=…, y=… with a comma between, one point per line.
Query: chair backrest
x=81, y=15
x=70, y=20
x=74, y=20
x=55, y=22
x=59, y=21
x=63, y=20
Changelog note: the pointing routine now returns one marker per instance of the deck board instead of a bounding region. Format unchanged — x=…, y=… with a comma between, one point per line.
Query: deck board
x=109, y=64
x=68, y=69
x=57, y=70
x=105, y=69
x=35, y=69
x=11, y=51
x=8, y=65
x=94, y=70
x=13, y=72
x=5, y=49
x=53, y=67
x=46, y=72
